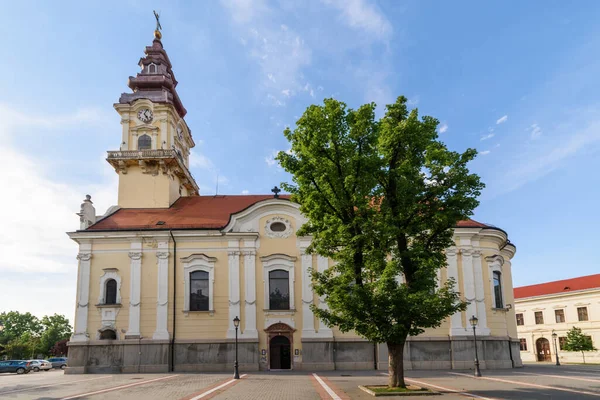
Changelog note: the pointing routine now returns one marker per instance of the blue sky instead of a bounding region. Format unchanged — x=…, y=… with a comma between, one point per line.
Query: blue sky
x=516, y=80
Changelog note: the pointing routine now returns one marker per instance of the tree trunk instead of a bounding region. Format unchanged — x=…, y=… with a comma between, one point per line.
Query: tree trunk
x=583, y=354
x=396, y=364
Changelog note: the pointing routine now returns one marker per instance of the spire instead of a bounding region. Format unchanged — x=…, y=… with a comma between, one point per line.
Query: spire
x=156, y=80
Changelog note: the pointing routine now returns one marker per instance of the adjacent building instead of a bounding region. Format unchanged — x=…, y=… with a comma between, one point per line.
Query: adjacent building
x=163, y=274
x=555, y=307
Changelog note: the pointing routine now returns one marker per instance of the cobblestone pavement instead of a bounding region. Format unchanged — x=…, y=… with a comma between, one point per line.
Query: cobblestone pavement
x=531, y=382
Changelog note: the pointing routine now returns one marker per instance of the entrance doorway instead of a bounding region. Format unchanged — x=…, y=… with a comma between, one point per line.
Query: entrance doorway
x=281, y=354
x=542, y=347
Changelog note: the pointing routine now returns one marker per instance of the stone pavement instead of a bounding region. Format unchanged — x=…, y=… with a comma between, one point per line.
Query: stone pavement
x=531, y=382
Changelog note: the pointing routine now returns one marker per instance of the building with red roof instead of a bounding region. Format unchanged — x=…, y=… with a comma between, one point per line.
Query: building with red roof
x=176, y=272
x=546, y=311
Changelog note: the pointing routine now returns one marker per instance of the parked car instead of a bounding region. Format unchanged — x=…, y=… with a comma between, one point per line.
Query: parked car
x=58, y=362
x=40, y=365
x=18, y=366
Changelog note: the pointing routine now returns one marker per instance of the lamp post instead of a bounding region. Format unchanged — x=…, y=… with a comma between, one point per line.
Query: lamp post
x=473, y=320
x=554, y=336
x=236, y=372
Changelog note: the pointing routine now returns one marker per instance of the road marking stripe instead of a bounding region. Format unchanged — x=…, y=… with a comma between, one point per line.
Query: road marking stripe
x=329, y=391
x=530, y=384
x=55, y=384
x=466, y=394
x=118, y=387
x=564, y=376
x=201, y=395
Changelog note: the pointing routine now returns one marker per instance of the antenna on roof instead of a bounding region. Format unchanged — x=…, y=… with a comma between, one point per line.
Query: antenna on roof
x=217, y=189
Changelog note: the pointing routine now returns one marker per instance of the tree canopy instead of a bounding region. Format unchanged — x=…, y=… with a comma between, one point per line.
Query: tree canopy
x=382, y=198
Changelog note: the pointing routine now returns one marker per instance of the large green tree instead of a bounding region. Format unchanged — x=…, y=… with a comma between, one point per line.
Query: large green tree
x=56, y=328
x=382, y=198
x=577, y=341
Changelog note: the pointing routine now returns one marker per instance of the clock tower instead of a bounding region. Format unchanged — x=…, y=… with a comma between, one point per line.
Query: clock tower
x=153, y=159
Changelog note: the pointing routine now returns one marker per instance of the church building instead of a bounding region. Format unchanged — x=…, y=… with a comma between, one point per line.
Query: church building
x=165, y=274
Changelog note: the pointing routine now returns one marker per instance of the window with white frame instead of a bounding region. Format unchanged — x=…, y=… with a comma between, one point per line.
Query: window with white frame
x=110, y=287
x=199, y=278
x=278, y=278
x=144, y=142
x=495, y=264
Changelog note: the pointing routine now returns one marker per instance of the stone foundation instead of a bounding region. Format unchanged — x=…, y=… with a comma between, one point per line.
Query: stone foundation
x=147, y=356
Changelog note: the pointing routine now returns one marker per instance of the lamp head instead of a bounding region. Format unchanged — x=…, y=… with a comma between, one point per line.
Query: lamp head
x=473, y=320
x=554, y=334
x=236, y=322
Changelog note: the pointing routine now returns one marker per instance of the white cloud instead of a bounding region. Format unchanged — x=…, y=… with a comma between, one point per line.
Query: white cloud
x=270, y=159
x=535, y=131
x=443, y=128
x=502, y=120
x=199, y=160
x=360, y=14
x=488, y=136
x=245, y=191
x=278, y=50
x=484, y=153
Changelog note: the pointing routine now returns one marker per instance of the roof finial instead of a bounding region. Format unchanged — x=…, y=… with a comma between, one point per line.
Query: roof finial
x=157, y=33
x=276, y=191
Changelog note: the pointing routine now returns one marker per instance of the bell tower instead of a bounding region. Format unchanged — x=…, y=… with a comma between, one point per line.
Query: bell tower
x=153, y=158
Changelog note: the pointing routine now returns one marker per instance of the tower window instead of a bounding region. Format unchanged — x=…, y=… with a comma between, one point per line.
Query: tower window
x=110, y=296
x=144, y=142
x=152, y=69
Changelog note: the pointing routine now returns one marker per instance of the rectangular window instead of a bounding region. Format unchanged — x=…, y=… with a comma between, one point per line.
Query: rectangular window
x=562, y=341
x=498, y=289
x=523, y=344
x=520, y=320
x=539, y=317
x=279, y=290
x=582, y=313
x=560, y=316
x=199, y=300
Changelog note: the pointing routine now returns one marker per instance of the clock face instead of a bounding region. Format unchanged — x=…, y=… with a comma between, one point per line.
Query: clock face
x=180, y=133
x=145, y=115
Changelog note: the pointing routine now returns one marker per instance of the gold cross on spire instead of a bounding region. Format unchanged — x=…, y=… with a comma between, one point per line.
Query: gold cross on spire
x=157, y=33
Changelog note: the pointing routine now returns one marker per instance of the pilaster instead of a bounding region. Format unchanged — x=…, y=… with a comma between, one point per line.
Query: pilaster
x=308, y=318
x=482, y=328
x=456, y=326
x=249, y=253
x=468, y=281
x=83, y=294
x=162, y=296
x=234, y=285
x=135, y=286
x=324, y=330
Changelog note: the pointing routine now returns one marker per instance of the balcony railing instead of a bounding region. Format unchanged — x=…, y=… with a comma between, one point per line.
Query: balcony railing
x=128, y=154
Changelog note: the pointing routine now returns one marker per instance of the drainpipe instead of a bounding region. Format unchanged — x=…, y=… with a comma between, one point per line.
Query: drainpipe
x=172, y=347
x=375, y=356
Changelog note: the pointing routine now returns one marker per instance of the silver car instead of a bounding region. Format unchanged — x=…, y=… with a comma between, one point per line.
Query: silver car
x=40, y=365
x=58, y=362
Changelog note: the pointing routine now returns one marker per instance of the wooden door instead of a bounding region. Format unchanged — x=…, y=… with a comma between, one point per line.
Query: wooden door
x=280, y=353
x=543, y=350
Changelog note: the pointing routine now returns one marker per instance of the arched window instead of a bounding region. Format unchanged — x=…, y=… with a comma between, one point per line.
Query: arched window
x=152, y=68
x=108, y=334
x=199, y=293
x=498, y=289
x=144, y=142
x=279, y=290
x=110, y=292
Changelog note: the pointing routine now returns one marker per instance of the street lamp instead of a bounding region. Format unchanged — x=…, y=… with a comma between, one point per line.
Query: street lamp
x=473, y=320
x=236, y=372
x=554, y=336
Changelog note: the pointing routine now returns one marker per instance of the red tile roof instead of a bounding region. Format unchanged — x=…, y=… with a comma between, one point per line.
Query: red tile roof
x=563, y=286
x=197, y=212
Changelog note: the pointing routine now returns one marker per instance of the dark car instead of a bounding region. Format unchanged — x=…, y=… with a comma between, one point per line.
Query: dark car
x=58, y=362
x=18, y=366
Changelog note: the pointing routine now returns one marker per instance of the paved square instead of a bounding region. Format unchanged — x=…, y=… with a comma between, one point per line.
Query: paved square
x=531, y=382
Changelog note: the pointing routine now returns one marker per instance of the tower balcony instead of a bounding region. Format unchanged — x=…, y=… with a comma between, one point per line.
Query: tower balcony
x=167, y=162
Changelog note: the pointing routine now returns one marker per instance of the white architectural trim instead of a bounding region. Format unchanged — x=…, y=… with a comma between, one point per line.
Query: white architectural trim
x=278, y=235
x=135, y=289
x=109, y=273
x=308, y=318
x=162, y=295
x=283, y=262
x=198, y=262
x=83, y=294
x=482, y=328
x=250, y=330
x=456, y=325
x=324, y=330
x=247, y=220
x=234, y=286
